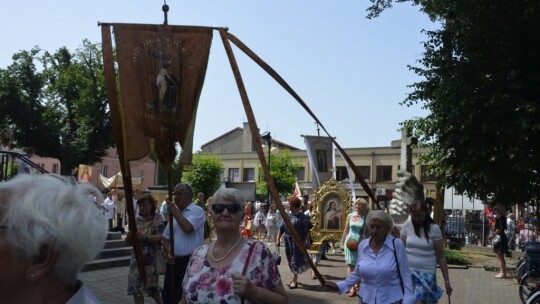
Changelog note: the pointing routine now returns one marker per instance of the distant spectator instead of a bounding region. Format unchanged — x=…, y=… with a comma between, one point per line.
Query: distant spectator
x=511, y=233
x=6, y=138
x=163, y=210
x=501, y=248
x=24, y=162
x=527, y=234
x=108, y=204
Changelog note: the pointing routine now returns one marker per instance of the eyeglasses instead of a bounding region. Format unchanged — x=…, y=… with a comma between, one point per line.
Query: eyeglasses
x=231, y=208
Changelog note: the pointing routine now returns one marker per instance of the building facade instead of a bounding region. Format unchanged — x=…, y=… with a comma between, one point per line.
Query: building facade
x=378, y=165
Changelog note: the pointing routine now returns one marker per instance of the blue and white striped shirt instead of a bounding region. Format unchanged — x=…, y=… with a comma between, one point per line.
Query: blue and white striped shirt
x=186, y=243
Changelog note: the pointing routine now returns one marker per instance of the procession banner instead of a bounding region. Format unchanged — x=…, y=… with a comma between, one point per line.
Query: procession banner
x=117, y=181
x=84, y=174
x=161, y=71
x=320, y=151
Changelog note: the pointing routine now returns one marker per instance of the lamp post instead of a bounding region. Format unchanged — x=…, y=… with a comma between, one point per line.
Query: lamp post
x=271, y=150
x=268, y=139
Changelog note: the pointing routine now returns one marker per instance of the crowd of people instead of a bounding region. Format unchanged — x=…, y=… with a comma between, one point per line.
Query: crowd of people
x=218, y=252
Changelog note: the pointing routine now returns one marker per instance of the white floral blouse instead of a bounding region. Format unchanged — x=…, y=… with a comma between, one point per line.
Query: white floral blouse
x=206, y=284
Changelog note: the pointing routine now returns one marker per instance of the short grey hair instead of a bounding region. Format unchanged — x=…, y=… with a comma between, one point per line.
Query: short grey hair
x=41, y=210
x=229, y=194
x=382, y=216
x=186, y=187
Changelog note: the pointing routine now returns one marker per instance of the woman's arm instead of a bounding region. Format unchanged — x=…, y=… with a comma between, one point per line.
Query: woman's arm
x=345, y=232
x=154, y=238
x=441, y=259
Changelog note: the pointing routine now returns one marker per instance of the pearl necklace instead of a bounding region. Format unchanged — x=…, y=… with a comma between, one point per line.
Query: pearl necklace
x=228, y=252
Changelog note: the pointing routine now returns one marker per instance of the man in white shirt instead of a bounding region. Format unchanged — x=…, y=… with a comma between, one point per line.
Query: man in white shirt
x=511, y=233
x=188, y=228
x=108, y=204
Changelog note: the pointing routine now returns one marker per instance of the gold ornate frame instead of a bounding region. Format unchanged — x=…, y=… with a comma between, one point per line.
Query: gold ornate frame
x=324, y=218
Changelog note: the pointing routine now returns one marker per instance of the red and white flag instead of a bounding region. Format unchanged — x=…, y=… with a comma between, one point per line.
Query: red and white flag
x=297, y=190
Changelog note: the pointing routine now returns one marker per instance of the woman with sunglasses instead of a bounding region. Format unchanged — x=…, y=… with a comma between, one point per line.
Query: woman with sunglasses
x=232, y=269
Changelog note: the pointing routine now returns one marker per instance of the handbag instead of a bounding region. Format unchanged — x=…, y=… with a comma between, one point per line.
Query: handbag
x=496, y=239
x=159, y=262
x=352, y=244
x=277, y=256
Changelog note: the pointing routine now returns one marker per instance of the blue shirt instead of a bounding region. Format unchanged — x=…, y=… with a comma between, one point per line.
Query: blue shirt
x=83, y=295
x=185, y=243
x=378, y=274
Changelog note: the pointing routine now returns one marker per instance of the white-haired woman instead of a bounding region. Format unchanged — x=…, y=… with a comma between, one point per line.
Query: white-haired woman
x=49, y=229
x=382, y=268
x=232, y=268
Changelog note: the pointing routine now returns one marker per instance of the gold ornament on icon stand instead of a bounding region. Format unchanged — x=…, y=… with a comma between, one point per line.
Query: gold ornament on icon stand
x=331, y=204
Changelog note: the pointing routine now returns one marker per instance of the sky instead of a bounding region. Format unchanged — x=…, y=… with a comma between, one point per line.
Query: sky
x=351, y=71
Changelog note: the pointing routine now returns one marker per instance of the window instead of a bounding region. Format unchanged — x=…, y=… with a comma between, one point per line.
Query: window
x=301, y=174
x=234, y=175
x=427, y=176
x=341, y=173
x=141, y=173
x=249, y=175
x=384, y=174
x=55, y=168
x=104, y=171
x=365, y=171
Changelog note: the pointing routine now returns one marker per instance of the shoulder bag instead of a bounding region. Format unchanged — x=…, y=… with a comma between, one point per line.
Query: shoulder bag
x=397, y=263
x=247, y=263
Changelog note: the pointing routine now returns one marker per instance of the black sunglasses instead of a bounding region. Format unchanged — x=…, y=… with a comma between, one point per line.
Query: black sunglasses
x=231, y=208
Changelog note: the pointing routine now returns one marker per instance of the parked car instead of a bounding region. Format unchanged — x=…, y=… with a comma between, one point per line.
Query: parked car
x=455, y=232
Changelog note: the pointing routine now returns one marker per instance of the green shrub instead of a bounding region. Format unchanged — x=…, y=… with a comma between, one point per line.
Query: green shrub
x=456, y=258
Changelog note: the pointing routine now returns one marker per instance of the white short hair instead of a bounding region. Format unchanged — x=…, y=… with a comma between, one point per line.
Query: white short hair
x=40, y=210
x=231, y=195
x=381, y=216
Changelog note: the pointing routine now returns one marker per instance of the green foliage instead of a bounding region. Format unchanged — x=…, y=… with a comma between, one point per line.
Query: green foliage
x=283, y=170
x=455, y=257
x=204, y=175
x=57, y=104
x=162, y=171
x=481, y=83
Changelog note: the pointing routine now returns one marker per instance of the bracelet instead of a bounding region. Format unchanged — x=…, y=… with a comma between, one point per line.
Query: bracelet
x=446, y=281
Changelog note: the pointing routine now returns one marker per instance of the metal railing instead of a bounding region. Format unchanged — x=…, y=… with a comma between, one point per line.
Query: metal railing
x=9, y=163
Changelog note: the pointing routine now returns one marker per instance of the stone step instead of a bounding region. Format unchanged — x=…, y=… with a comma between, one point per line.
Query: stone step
x=115, y=252
x=111, y=235
x=107, y=263
x=115, y=244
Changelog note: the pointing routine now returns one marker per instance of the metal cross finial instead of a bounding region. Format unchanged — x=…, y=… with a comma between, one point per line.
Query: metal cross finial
x=165, y=9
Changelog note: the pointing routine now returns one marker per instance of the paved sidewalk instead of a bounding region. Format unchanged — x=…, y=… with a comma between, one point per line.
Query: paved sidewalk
x=472, y=285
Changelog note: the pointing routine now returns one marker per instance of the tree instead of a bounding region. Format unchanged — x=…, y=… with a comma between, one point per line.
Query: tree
x=204, y=175
x=61, y=110
x=481, y=83
x=283, y=170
